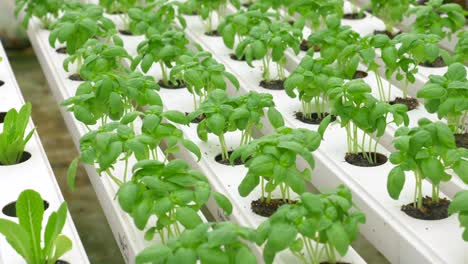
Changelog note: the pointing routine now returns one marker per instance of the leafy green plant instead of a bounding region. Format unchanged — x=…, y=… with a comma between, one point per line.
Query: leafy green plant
x=46, y=10
x=268, y=42
x=312, y=79
x=428, y=151
x=313, y=12
x=173, y=43
x=149, y=21
x=461, y=49
x=75, y=27
x=209, y=243
x=460, y=204
x=447, y=96
x=390, y=11
x=25, y=237
x=357, y=110
x=438, y=18
x=271, y=162
x=314, y=229
x=223, y=114
x=13, y=139
x=117, y=6
x=209, y=8
x=172, y=192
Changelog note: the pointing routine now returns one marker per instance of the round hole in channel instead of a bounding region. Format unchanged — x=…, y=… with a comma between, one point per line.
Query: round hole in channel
x=10, y=209
x=361, y=160
x=2, y=83
x=61, y=262
x=2, y=117
x=219, y=159
x=25, y=157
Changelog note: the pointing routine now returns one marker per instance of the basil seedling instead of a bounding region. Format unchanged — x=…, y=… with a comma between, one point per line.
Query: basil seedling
x=45, y=11
x=428, y=151
x=209, y=243
x=117, y=6
x=13, y=138
x=327, y=220
x=172, y=192
x=149, y=21
x=365, y=120
x=390, y=11
x=461, y=49
x=75, y=27
x=314, y=13
x=460, y=205
x=25, y=236
x=271, y=163
x=209, y=8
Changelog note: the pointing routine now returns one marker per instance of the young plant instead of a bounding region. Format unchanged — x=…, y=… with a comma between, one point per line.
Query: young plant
x=312, y=79
x=447, y=96
x=268, y=42
x=209, y=8
x=428, y=151
x=438, y=18
x=117, y=6
x=390, y=11
x=224, y=114
x=365, y=120
x=25, y=237
x=207, y=243
x=314, y=13
x=461, y=49
x=271, y=163
x=149, y=21
x=12, y=138
x=173, y=43
x=75, y=27
x=172, y=192
x=314, y=229
x=460, y=205
x=45, y=10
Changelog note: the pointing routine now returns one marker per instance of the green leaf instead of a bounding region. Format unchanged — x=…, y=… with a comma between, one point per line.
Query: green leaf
x=192, y=147
x=245, y=256
x=153, y=253
x=188, y=217
x=212, y=256
x=247, y=185
x=461, y=169
x=30, y=212
x=223, y=202
x=128, y=196
x=71, y=173
x=18, y=238
x=216, y=124
x=281, y=236
x=176, y=117
x=275, y=117
x=62, y=245
x=54, y=227
x=338, y=237
x=395, y=182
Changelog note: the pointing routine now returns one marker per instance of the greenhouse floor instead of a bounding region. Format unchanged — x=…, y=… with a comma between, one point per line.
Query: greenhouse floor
x=87, y=214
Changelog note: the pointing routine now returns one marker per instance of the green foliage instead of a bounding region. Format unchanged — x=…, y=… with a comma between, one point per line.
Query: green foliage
x=117, y=6
x=438, y=18
x=461, y=49
x=356, y=109
x=211, y=243
x=268, y=42
x=224, y=114
x=149, y=21
x=427, y=150
x=447, y=96
x=390, y=11
x=13, y=139
x=25, y=237
x=75, y=27
x=271, y=162
x=315, y=12
x=172, y=192
x=208, y=8
x=324, y=219
x=460, y=205
x=46, y=10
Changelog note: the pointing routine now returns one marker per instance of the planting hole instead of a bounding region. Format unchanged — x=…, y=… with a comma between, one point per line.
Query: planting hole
x=263, y=208
x=10, y=209
x=171, y=85
x=361, y=160
x=212, y=33
x=1, y=83
x=429, y=210
x=410, y=102
x=197, y=119
x=25, y=157
x=76, y=77
x=305, y=46
x=314, y=119
x=125, y=32
x=62, y=50
x=273, y=85
x=461, y=140
x=2, y=117
x=386, y=32
x=438, y=63
x=61, y=262
x=359, y=75
x=354, y=16
x=219, y=159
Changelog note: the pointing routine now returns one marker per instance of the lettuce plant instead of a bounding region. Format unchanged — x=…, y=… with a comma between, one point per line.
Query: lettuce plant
x=224, y=114
x=315, y=229
x=438, y=18
x=390, y=11
x=357, y=110
x=164, y=49
x=428, y=151
x=207, y=243
x=447, y=96
x=271, y=163
x=172, y=192
x=75, y=27
x=45, y=10
x=312, y=79
x=459, y=204
x=25, y=236
x=209, y=8
x=149, y=21
x=13, y=138
x=268, y=42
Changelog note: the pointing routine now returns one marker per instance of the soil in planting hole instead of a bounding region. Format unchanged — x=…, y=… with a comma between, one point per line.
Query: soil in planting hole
x=246, y=5
x=197, y=119
x=227, y=162
x=10, y=209
x=262, y=208
x=233, y=56
x=438, y=63
x=2, y=83
x=305, y=46
x=171, y=85
x=429, y=211
x=359, y=75
x=386, y=32
x=2, y=117
x=461, y=140
x=410, y=102
x=61, y=262
x=354, y=16
x=76, y=77
x=315, y=119
x=360, y=160
x=212, y=33
x=272, y=85
x=125, y=32
x=61, y=50
x=25, y=157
